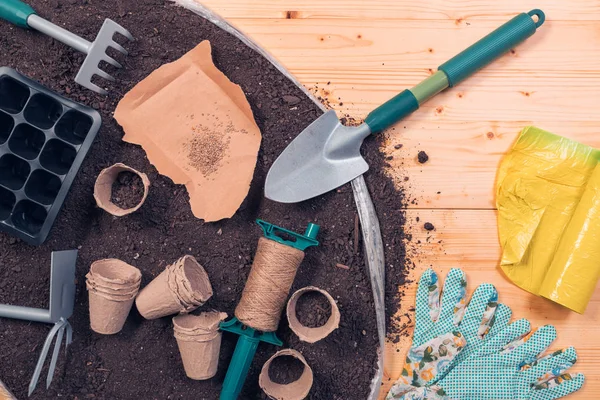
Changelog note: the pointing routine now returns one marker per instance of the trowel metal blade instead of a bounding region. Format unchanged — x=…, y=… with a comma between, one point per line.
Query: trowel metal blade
x=323, y=157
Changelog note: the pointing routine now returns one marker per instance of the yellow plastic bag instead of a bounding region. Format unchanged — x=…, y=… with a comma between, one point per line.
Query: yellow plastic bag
x=548, y=199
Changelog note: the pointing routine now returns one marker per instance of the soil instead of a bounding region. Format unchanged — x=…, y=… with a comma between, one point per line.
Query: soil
x=285, y=369
x=127, y=190
x=142, y=361
x=428, y=226
x=422, y=157
x=313, y=309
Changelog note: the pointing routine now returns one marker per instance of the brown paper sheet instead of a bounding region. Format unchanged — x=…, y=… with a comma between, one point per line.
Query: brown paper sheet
x=197, y=128
x=5, y=394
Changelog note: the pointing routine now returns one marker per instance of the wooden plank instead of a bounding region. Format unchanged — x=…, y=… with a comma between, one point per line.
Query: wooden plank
x=400, y=9
x=364, y=45
x=463, y=157
x=497, y=96
x=470, y=241
x=367, y=71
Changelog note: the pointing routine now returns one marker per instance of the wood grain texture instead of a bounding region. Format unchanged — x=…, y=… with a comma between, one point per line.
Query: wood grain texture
x=356, y=54
x=398, y=9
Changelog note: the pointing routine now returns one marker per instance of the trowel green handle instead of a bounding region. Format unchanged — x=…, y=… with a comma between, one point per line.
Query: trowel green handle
x=457, y=69
x=16, y=12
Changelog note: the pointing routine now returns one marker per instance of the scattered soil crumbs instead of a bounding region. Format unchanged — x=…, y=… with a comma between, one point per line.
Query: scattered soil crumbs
x=313, y=309
x=127, y=190
x=142, y=361
x=285, y=369
x=428, y=226
x=422, y=157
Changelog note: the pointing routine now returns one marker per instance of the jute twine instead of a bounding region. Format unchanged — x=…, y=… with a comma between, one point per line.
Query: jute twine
x=271, y=277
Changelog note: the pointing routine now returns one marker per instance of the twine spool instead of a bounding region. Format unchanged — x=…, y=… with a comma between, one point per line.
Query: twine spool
x=269, y=283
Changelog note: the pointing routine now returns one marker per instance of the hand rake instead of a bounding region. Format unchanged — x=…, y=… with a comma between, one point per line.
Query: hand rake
x=21, y=14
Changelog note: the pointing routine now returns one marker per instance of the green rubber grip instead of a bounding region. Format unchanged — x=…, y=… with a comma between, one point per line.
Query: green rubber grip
x=492, y=46
x=392, y=111
x=16, y=12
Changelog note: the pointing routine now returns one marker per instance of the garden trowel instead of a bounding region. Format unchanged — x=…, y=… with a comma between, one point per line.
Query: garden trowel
x=327, y=155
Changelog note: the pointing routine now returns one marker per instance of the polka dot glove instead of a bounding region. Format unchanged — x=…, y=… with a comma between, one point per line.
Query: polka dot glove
x=509, y=367
x=461, y=329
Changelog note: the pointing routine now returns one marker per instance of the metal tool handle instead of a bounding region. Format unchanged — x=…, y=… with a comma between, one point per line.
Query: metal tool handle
x=16, y=12
x=21, y=14
x=62, y=35
x=457, y=69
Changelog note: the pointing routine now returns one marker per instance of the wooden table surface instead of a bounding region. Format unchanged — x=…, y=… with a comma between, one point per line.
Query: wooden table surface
x=370, y=50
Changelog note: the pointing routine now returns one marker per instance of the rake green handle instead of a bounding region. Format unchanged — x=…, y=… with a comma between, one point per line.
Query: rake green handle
x=457, y=69
x=16, y=12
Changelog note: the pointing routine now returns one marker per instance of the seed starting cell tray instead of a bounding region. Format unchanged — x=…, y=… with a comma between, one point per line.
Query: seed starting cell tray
x=44, y=138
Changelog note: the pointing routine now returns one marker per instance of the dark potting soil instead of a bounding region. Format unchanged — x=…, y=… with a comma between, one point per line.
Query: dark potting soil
x=142, y=361
x=285, y=369
x=127, y=190
x=428, y=226
x=422, y=157
x=313, y=309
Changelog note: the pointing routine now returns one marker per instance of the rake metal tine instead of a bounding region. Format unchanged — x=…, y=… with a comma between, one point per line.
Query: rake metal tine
x=69, y=336
x=118, y=47
x=95, y=88
x=44, y=353
x=104, y=75
x=112, y=61
x=54, y=358
x=118, y=28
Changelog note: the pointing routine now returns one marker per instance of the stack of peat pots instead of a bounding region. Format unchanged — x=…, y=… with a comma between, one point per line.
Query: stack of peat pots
x=181, y=288
x=199, y=341
x=113, y=286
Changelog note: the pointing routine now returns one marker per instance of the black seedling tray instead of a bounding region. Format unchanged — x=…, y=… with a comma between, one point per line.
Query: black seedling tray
x=43, y=141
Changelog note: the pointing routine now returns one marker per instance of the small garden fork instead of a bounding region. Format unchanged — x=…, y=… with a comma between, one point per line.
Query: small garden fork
x=62, y=301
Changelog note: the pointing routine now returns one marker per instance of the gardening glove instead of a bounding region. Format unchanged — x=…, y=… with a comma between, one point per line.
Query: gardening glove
x=509, y=367
x=448, y=332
